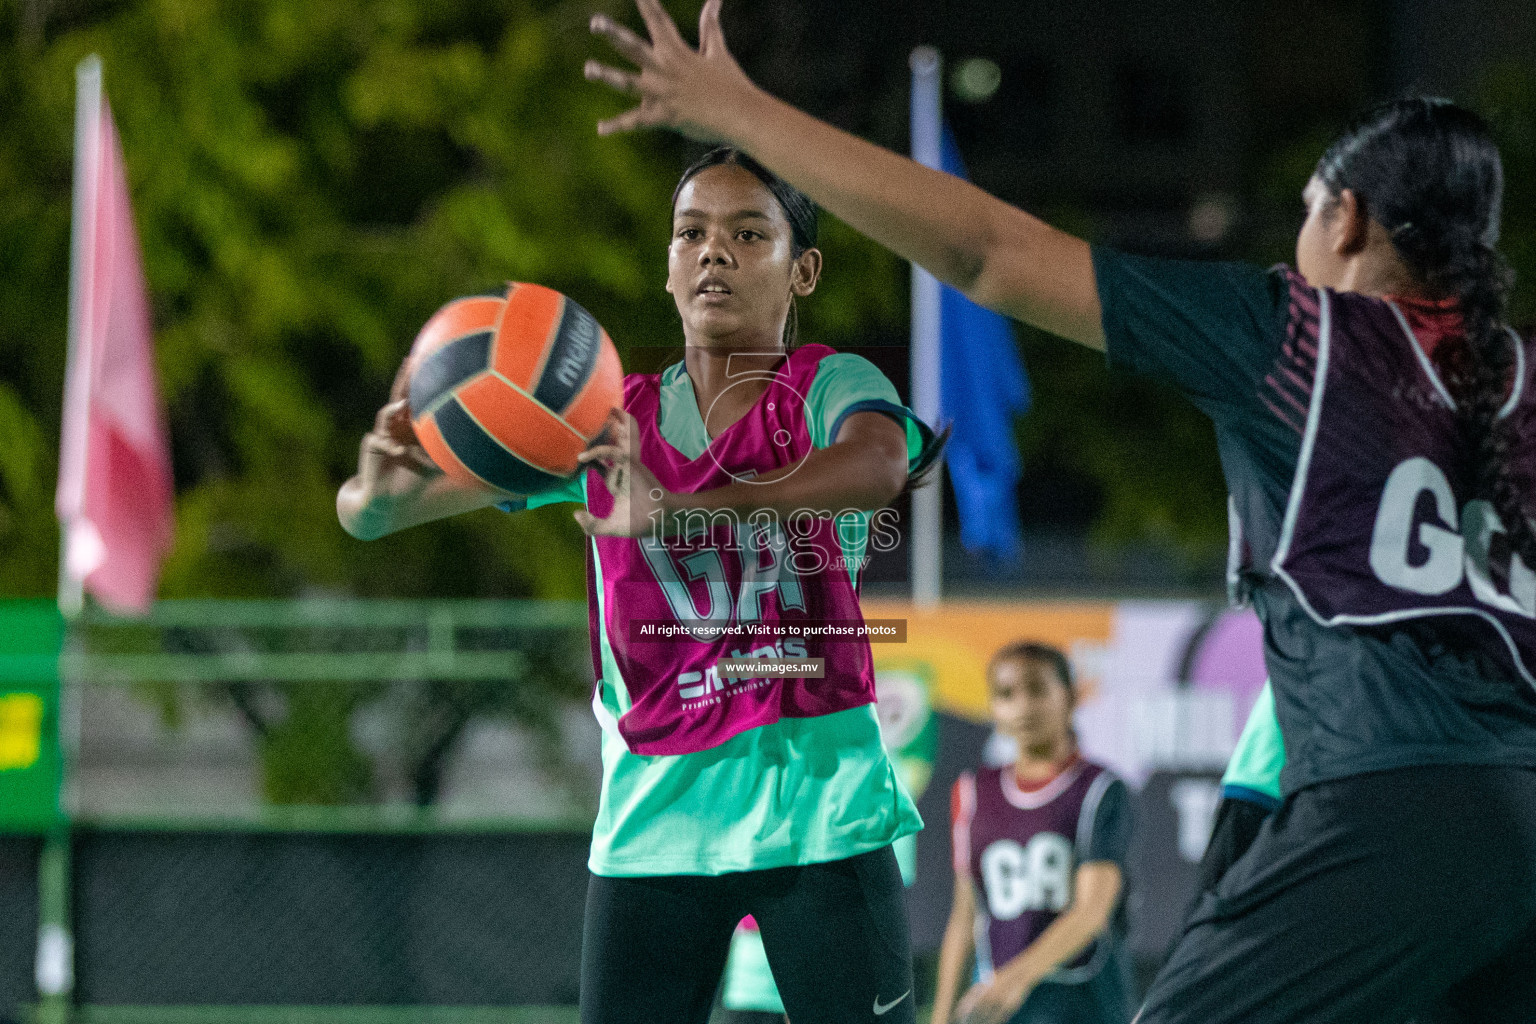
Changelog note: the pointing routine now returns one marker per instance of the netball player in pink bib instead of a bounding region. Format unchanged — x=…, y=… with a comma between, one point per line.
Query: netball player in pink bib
x=1377, y=428
x=729, y=518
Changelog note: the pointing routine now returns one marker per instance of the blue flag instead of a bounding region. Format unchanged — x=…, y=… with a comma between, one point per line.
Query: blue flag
x=983, y=388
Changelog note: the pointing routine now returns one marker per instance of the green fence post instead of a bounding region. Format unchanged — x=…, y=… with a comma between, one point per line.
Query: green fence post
x=55, y=939
x=31, y=776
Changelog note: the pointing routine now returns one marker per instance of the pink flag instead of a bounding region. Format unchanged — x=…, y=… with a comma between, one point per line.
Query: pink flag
x=114, y=499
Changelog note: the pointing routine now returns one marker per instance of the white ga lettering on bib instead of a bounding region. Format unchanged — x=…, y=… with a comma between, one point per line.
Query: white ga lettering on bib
x=1458, y=545
x=1034, y=877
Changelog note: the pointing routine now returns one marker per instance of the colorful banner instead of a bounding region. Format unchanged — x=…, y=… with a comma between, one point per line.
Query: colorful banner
x=1161, y=684
x=31, y=767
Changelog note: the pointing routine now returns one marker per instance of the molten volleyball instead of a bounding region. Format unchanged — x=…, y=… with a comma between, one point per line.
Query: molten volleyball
x=506, y=389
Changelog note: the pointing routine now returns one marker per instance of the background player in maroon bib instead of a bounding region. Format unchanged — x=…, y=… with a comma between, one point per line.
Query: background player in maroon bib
x=1039, y=856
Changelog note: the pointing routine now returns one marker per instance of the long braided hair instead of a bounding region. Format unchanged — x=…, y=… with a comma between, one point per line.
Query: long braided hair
x=1429, y=172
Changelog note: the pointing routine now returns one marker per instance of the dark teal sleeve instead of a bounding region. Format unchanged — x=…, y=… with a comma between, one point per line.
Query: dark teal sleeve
x=574, y=489
x=1212, y=329
x=1112, y=826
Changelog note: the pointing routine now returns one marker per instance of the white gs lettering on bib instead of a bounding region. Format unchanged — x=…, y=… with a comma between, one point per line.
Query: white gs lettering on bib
x=1454, y=545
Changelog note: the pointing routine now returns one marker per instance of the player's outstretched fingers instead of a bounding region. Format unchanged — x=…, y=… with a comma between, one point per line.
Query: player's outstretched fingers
x=700, y=93
x=627, y=122
x=711, y=37
x=659, y=23
x=622, y=39
x=624, y=81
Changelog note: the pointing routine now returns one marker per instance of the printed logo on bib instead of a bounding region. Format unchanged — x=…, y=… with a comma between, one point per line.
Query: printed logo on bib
x=675, y=613
x=765, y=567
x=1421, y=544
x=1037, y=876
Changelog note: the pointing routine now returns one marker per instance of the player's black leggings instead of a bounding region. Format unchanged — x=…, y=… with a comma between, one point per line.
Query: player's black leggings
x=1237, y=825
x=836, y=936
x=1369, y=900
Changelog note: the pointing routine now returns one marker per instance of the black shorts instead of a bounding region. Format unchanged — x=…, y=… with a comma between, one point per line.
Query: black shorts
x=1370, y=900
x=836, y=936
x=1237, y=826
x=1103, y=1000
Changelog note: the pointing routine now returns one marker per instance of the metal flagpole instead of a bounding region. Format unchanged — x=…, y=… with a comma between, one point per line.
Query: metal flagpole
x=926, y=545
x=55, y=965
x=74, y=431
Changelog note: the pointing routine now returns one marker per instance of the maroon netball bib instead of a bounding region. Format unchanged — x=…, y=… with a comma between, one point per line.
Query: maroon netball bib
x=1021, y=850
x=1381, y=525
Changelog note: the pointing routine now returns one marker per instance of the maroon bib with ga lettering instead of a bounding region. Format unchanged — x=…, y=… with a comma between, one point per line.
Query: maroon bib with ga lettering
x=1381, y=525
x=1021, y=850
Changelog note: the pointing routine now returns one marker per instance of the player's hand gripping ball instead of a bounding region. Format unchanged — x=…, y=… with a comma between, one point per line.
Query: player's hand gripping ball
x=506, y=389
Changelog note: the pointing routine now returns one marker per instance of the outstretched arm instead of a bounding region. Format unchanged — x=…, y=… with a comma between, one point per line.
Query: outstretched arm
x=865, y=468
x=998, y=255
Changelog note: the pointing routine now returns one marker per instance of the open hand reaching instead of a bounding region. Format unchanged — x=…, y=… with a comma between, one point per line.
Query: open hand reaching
x=699, y=93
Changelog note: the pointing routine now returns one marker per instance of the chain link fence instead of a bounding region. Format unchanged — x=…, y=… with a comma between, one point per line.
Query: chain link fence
x=311, y=811
x=300, y=918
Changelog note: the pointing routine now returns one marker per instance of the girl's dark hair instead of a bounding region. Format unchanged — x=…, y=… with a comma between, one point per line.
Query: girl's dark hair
x=798, y=209
x=802, y=215
x=1033, y=650
x=1429, y=172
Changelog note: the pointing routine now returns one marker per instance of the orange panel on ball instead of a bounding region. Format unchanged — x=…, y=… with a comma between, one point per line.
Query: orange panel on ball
x=604, y=391
x=455, y=320
x=522, y=426
x=528, y=325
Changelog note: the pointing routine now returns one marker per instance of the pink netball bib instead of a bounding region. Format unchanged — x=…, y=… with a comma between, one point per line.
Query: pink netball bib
x=768, y=582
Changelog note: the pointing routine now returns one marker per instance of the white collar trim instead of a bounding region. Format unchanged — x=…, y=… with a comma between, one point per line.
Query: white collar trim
x=1035, y=799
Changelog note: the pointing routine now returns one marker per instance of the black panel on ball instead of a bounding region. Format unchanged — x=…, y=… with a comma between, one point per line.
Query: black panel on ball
x=447, y=368
x=572, y=356
x=486, y=458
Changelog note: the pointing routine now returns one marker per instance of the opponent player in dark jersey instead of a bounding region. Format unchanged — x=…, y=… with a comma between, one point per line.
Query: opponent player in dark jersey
x=1039, y=854
x=1377, y=428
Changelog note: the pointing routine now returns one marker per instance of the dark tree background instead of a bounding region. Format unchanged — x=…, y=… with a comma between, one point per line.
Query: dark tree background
x=311, y=180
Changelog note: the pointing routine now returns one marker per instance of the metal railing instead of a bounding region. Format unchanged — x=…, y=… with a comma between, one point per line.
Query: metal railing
x=436, y=626
x=276, y=646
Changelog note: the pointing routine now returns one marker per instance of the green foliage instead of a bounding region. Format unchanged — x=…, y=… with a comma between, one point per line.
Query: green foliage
x=308, y=756
x=1508, y=97
x=310, y=182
